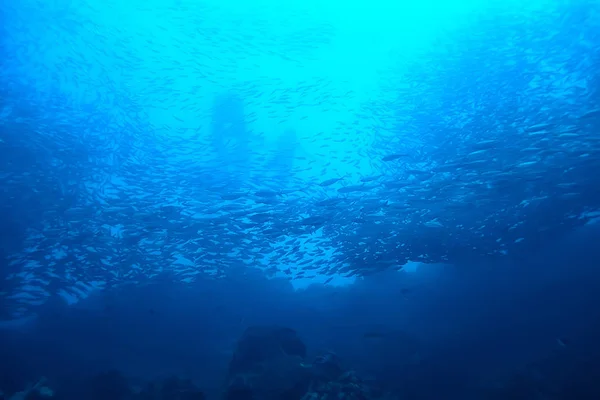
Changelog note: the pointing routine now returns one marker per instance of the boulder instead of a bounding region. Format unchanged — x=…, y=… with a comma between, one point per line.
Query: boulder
x=268, y=363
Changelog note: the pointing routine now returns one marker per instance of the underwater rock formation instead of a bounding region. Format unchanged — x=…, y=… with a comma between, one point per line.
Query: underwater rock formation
x=109, y=385
x=269, y=364
x=260, y=344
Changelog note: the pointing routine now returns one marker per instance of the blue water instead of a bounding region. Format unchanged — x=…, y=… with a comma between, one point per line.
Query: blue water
x=305, y=200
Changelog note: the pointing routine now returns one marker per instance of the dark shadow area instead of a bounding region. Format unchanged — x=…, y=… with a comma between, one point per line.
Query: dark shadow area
x=470, y=330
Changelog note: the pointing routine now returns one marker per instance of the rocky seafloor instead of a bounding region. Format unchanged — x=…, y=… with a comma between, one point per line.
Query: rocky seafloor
x=272, y=363
x=269, y=362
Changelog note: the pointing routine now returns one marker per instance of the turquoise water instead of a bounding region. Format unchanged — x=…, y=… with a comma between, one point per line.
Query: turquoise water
x=311, y=146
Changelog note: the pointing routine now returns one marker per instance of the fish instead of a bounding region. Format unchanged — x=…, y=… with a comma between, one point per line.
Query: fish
x=194, y=160
x=393, y=157
x=331, y=181
x=367, y=179
x=355, y=188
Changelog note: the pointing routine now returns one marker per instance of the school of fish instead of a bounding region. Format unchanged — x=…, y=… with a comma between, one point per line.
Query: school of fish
x=143, y=139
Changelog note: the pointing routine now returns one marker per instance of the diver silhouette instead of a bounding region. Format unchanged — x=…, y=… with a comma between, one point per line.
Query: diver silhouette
x=231, y=138
x=232, y=142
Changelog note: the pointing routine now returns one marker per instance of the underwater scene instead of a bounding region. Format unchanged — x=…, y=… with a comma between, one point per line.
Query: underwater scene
x=299, y=200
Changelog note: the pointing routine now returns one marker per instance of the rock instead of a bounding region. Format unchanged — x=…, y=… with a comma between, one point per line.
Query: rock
x=110, y=385
x=327, y=366
x=262, y=343
x=268, y=364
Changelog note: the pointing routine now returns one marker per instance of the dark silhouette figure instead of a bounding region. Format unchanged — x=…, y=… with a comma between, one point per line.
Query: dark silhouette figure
x=230, y=138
